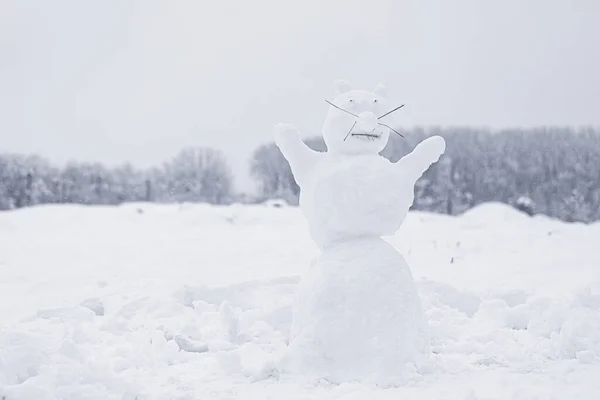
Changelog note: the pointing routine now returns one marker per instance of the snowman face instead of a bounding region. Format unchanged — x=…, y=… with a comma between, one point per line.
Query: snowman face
x=357, y=130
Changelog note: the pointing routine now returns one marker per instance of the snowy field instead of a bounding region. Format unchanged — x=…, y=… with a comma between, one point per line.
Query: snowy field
x=162, y=302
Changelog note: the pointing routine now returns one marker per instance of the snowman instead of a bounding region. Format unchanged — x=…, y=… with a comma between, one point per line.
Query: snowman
x=357, y=313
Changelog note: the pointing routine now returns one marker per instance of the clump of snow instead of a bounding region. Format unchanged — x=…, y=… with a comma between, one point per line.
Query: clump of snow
x=95, y=305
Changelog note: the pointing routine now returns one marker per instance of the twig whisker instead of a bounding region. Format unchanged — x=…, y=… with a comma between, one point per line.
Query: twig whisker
x=389, y=127
x=389, y=112
x=341, y=109
x=348, y=134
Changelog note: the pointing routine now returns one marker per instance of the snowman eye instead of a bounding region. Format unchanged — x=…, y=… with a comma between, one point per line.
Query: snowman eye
x=375, y=101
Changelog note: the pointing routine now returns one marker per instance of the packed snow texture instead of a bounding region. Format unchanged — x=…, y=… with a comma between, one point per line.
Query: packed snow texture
x=358, y=316
x=194, y=302
x=348, y=197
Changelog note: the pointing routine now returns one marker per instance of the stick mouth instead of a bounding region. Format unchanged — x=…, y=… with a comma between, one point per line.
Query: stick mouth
x=367, y=137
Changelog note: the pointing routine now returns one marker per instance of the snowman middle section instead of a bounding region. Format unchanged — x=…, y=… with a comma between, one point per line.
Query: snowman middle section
x=357, y=311
x=353, y=196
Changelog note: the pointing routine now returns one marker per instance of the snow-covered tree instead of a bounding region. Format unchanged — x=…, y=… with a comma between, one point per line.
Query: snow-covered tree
x=26, y=181
x=272, y=172
x=126, y=184
x=85, y=183
x=198, y=175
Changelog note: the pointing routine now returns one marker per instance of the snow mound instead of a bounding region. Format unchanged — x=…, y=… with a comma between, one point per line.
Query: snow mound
x=497, y=213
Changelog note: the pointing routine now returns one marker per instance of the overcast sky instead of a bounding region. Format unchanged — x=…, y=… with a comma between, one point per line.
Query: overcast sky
x=137, y=80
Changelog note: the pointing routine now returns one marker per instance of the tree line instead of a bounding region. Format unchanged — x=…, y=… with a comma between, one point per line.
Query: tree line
x=193, y=175
x=548, y=170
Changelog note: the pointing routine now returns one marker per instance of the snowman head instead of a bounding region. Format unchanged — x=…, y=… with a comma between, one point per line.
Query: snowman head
x=353, y=124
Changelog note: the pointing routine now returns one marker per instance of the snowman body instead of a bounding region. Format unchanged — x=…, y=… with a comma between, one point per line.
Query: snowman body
x=347, y=197
x=357, y=313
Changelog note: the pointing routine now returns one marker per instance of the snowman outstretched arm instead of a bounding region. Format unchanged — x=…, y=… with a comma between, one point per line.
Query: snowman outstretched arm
x=296, y=152
x=422, y=157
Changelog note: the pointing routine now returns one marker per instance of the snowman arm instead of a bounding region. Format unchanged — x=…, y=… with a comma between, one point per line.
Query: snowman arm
x=296, y=152
x=422, y=157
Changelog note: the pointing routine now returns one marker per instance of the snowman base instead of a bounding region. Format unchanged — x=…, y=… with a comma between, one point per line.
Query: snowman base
x=357, y=315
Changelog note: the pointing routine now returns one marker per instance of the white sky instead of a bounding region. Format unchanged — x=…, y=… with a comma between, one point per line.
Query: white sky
x=137, y=80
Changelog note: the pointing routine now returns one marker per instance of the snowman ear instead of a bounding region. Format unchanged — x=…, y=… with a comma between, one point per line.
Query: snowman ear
x=380, y=90
x=341, y=86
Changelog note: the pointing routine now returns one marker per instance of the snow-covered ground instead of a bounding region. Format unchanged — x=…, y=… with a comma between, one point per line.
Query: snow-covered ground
x=169, y=302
